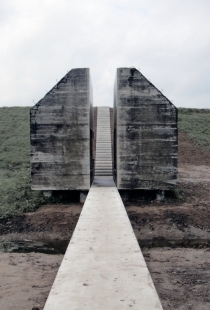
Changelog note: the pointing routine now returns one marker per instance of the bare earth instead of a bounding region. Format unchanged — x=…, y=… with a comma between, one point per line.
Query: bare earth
x=181, y=274
x=26, y=279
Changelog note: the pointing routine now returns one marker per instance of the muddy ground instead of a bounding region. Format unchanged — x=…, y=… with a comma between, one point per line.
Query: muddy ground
x=174, y=236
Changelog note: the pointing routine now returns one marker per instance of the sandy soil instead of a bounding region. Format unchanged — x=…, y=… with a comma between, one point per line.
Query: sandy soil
x=180, y=275
x=26, y=279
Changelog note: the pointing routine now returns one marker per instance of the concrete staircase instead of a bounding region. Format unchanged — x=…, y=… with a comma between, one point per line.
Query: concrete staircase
x=103, y=160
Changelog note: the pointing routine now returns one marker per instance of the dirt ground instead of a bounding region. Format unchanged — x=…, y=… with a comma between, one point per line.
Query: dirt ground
x=181, y=277
x=49, y=222
x=26, y=279
x=174, y=236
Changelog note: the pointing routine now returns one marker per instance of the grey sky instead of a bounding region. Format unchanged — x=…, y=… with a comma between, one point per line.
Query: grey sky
x=168, y=40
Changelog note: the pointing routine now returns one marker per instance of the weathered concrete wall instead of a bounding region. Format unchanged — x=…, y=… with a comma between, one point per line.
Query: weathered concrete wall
x=61, y=125
x=145, y=126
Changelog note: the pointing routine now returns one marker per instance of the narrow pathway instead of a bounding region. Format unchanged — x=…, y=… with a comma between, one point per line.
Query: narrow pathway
x=103, y=160
x=103, y=267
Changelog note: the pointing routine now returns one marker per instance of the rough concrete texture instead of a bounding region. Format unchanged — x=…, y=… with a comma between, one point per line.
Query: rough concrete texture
x=103, y=267
x=61, y=135
x=145, y=134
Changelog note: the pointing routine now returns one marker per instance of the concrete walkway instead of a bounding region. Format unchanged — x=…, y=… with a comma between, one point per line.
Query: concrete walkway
x=103, y=267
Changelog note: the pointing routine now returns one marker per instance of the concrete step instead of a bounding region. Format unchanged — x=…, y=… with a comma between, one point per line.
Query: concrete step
x=101, y=147
x=103, y=162
x=101, y=171
x=107, y=163
x=103, y=174
x=104, y=152
x=97, y=168
x=101, y=140
x=103, y=157
x=103, y=168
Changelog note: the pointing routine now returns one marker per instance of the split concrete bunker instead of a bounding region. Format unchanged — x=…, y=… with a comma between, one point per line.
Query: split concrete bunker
x=103, y=250
x=144, y=152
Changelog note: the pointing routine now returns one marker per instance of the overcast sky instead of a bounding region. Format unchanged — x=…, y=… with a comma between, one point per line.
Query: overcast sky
x=168, y=40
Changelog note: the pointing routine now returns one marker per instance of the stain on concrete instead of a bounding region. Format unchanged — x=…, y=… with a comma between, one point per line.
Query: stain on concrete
x=60, y=135
x=145, y=126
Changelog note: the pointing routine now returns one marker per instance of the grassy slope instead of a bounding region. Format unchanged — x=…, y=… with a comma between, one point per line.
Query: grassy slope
x=15, y=193
x=196, y=124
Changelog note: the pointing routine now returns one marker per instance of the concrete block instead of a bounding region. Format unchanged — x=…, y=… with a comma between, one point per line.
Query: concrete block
x=145, y=134
x=83, y=196
x=47, y=194
x=160, y=195
x=61, y=140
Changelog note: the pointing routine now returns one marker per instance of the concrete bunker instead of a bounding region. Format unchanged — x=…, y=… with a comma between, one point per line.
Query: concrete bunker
x=145, y=135
x=61, y=135
x=145, y=147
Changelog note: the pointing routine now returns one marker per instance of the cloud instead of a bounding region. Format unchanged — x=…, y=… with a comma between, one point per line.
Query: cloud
x=168, y=40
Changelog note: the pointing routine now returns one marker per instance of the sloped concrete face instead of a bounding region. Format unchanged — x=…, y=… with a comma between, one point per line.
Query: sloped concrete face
x=103, y=268
x=61, y=125
x=145, y=134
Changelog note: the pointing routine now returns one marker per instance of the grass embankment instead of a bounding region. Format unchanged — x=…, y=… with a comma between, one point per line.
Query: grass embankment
x=196, y=124
x=15, y=193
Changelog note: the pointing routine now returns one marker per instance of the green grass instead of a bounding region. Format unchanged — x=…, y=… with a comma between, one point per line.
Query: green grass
x=196, y=124
x=15, y=193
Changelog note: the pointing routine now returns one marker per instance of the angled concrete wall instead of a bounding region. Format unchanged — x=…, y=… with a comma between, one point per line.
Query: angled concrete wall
x=61, y=135
x=145, y=134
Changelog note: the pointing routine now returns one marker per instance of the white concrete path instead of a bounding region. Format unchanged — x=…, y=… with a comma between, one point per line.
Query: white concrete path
x=103, y=267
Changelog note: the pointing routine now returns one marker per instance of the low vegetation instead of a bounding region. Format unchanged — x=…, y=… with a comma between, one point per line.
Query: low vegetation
x=196, y=124
x=15, y=193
